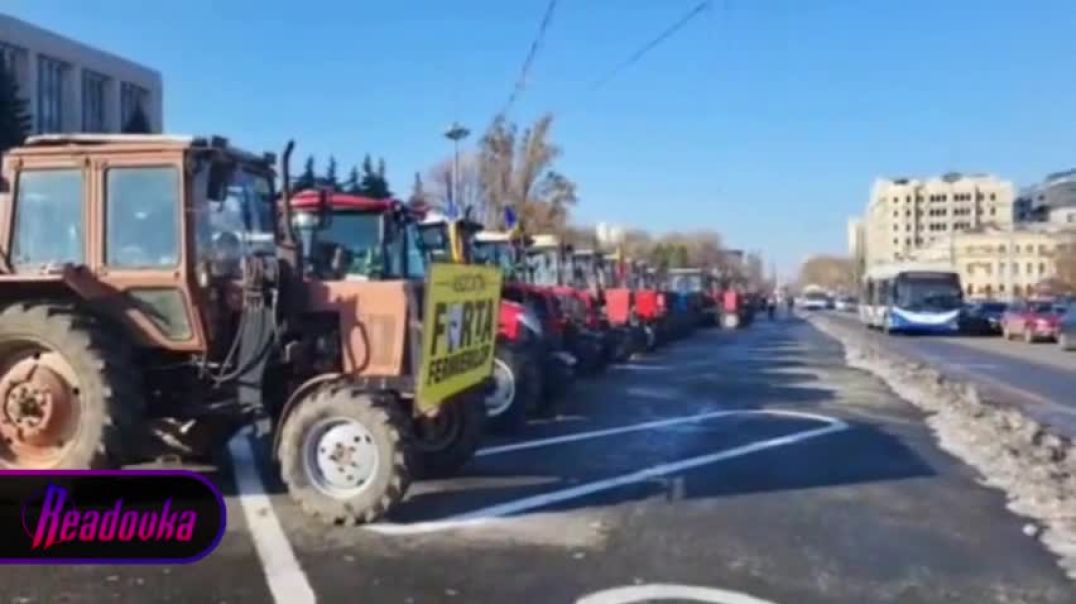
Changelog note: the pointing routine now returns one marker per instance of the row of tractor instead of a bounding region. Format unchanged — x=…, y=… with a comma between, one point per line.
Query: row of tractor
x=158, y=293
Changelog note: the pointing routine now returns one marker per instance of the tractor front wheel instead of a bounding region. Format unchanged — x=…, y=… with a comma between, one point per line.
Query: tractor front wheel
x=516, y=389
x=343, y=454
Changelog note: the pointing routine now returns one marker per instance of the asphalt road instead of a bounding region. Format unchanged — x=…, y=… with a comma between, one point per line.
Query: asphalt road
x=751, y=462
x=1040, y=376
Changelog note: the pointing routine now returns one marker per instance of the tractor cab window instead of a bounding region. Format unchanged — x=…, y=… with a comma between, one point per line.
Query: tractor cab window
x=48, y=219
x=416, y=258
x=359, y=234
x=142, y=217
x=239, y=225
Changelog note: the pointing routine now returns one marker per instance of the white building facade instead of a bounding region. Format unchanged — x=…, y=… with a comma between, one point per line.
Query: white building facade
x=72, y=87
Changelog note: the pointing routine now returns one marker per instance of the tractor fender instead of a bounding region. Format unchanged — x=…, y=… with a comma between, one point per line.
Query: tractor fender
x=297, y=395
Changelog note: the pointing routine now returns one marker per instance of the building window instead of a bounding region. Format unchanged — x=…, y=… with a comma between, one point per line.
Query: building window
x=1030, y=268
x=50, y=94
x=971, y=269
x=1001, y=269
x=896, y=199
x=908, y=241
x=1042, y=249
x=993, y=197
x=131, y=97
x=919, y=241
x=1015, y=268
x=1001, y=288
x=989, y=269
x=1016, y=249
x=1042, y=268
x=993, y=211
x=1001, y=248
x=93, y=101
x=11, y=56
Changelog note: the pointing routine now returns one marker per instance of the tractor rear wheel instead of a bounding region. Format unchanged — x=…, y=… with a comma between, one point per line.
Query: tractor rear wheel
x=449, y=439
x=69, y=395
x=343, y=454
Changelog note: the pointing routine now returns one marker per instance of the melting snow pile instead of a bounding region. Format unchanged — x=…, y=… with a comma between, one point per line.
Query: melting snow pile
x=1035, y=467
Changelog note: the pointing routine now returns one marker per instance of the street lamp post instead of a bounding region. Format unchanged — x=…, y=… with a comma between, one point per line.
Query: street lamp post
x=456, y=133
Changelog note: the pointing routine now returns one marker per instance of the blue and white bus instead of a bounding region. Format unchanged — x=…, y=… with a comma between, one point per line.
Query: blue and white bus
x=909, y=298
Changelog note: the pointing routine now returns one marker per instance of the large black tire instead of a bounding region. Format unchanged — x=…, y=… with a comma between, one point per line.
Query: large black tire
x=444, y=444
x=525, y=375
x=557, y=380
x=305, y=430
x=104, y=384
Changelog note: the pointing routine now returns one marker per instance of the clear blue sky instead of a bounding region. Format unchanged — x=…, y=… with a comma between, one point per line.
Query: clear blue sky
x=766, y=120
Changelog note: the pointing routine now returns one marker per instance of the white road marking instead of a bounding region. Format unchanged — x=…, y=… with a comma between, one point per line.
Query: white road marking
x=285, y=576
x=639, y=367
x=658, y=591
x=577, y=436
x=499, y=511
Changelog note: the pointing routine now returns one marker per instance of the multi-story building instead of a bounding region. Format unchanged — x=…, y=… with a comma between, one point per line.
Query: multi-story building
x=72, y=87
x=855, y=238
x=905, y=215
x=1002, y=263
x=1052, y=200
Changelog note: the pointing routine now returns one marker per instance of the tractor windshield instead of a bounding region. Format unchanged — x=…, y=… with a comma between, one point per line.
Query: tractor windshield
x=543, y=267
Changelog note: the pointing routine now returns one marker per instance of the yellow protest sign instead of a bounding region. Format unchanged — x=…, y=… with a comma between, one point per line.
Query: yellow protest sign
x=459, y=330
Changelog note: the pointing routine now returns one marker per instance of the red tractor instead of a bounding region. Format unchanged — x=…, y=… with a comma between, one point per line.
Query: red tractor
x=507, y=250
x=549, y=266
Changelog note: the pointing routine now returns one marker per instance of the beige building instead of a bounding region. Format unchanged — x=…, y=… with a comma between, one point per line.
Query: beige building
x=72, y=87
x=1002, y=263
x=906, y=215
x=855, y=238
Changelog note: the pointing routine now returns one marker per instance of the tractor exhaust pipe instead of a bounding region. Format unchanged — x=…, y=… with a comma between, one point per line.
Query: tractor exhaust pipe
x=285, y=193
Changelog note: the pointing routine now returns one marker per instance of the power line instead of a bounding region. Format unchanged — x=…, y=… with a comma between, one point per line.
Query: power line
x=646, y=48
x=521, y=82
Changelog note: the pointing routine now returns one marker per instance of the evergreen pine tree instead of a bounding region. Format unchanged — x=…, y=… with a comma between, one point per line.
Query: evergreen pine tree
x=308, y=178
x=351, y=185
x=14, y=119
x=418, y=191
x=330, y=179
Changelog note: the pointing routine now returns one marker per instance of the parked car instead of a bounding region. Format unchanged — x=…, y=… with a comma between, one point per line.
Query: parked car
x=1066, y=331
x=846, y=304
x=1032, y=320
x=983, y=317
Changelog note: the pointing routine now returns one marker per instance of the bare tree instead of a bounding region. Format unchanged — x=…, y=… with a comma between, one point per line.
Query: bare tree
x=470, y=194
x=516, y=170
x=832, y=272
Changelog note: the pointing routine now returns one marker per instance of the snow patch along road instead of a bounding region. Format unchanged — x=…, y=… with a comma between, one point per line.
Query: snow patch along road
x=1033, y=465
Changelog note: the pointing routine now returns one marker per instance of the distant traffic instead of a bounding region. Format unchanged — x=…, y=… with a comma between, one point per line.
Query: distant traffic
x=908, y=299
